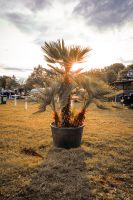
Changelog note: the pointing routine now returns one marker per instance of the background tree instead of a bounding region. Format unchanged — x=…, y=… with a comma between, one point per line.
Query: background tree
x=38, y=77
x=9, y=83
x=123, y=73
x=108, y=74
x=112, y=71
x=3, y=82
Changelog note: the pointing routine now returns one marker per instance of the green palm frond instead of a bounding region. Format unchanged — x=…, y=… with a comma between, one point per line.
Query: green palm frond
x=100, y=104
x=84, y=82
x=60, y=71
x=77, y=54
x=54, y=51
x=49, y=60
x=47, y=96
x=94, y=89
x=66, y=56
x=54, y=89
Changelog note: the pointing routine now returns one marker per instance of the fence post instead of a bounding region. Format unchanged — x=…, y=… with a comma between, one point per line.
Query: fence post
x=15, y=100
x=26, y=103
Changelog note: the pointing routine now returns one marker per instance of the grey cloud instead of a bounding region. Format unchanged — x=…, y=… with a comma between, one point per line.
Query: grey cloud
x=39, y=41
x=126, y=61
x=23, y=22
x=14, y=69
x=16, y=12
x=105, y=13
x=33, y=5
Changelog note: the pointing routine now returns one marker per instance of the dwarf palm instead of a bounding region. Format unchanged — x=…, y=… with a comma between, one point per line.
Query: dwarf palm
x=61, y=58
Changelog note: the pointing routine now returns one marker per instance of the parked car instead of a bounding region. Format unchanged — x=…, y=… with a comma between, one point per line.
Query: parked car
x=128, y=100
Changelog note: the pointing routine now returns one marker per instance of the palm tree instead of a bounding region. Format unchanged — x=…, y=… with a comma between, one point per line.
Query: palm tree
x=58, y=90
x=61, y=58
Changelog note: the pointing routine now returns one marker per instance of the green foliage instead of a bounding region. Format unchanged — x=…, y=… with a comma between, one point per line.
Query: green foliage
x=61, y=58
x=8, y=82
x=123, y=73
x=108, y=74
x=94, y=88
x=48, y=96
x=39, y=77
x=65, y=56
x=58, y=95
x=58, y=91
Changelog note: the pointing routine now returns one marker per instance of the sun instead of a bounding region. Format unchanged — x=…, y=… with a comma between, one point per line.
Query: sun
x=76, y=66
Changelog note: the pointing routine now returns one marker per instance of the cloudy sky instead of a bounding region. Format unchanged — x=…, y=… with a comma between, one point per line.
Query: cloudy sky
x=104, y=25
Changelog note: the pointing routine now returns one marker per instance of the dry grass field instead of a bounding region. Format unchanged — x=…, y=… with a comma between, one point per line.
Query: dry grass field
x=101, y=169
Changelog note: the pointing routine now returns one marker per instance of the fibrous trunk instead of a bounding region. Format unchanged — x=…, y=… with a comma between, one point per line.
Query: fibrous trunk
x=56, y=119
x=79, y=118
x=66, y=114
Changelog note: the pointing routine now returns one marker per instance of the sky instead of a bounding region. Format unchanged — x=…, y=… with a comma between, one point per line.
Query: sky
x=106, y=26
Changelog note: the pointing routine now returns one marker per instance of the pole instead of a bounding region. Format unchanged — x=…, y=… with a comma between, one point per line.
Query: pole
x=115, y=98
x=15, y=100
x=26, y=103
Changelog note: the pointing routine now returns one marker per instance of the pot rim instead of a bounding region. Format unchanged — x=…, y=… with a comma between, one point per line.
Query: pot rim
x=53, y=126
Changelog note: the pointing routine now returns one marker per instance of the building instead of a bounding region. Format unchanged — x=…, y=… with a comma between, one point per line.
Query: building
x=126, y=85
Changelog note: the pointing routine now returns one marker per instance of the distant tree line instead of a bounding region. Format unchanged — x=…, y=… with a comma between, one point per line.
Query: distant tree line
x=8, y=82
x=40, y=76
x=111, y=73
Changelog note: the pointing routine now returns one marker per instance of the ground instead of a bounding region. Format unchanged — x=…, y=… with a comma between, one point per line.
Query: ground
x=100, y=169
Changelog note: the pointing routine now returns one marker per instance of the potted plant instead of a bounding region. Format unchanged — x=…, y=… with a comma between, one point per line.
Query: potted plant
x=67, y=126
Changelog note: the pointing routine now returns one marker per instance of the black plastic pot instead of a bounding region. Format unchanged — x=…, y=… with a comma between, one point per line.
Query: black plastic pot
x=66, y=137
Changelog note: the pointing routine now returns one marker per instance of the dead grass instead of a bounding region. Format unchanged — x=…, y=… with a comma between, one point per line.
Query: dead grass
x=100, y=169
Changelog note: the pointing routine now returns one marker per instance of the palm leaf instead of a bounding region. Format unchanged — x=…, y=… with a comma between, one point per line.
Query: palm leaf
x=60, y=71
x=48, y=96
x=94, y=89
x=66, y=56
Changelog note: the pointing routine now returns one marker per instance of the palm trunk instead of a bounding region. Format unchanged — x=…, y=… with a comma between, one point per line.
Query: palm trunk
x=56, y=119
x=66, y=114
x=79, y=118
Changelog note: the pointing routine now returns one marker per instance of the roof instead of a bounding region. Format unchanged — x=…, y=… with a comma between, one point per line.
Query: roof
x=123, y=81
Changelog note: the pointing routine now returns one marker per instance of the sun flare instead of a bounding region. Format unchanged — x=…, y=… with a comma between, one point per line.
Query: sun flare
x=76, y=66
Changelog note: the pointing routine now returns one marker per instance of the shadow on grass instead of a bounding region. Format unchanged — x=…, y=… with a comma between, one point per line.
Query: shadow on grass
x=61, y=176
